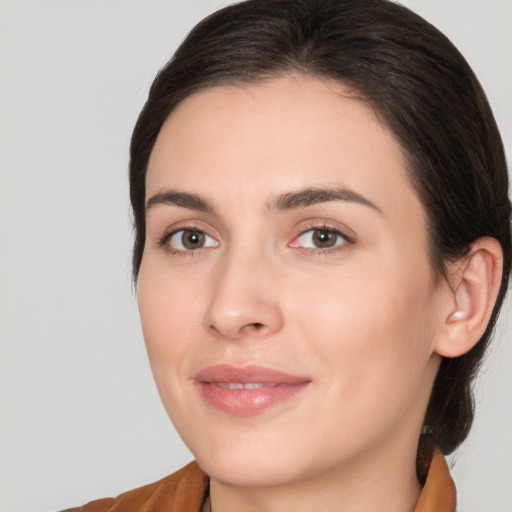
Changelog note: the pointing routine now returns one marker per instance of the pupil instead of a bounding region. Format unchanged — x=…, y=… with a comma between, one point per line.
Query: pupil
x=192, y=239
x=324, y=238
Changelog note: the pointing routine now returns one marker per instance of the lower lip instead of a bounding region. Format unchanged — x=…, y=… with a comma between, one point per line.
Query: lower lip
x=247, y=402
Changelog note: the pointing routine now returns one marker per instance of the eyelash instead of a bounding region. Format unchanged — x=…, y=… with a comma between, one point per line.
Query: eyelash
x=347, y=240
x=165, y=239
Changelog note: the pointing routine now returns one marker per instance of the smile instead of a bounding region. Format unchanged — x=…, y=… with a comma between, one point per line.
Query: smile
x=247, y=391
x=239, y=385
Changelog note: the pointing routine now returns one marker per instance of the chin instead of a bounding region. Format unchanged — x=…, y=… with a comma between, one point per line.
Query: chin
x=248, y=472
x=255, y=461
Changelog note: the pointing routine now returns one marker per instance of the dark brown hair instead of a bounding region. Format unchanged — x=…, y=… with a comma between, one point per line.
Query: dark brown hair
x=419, y=85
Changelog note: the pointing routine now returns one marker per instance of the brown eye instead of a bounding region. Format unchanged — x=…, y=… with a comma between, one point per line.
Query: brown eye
x=186, y=240
x=192, y=239
x=319, y=238
x=323, y=239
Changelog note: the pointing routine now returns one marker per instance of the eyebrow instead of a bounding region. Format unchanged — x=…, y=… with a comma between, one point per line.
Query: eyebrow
x=314, y=195
x=288, y=201
x=181, y=199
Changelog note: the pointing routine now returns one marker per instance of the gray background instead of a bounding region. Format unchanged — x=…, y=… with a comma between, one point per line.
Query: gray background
x=80, y=415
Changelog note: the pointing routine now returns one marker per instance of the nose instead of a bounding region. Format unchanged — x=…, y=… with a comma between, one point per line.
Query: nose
x=244, y=302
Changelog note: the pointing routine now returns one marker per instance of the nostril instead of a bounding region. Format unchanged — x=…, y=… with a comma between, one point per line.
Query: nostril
x=253, y=327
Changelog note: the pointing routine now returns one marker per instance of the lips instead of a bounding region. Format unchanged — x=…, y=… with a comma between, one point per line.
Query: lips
x=249, y=390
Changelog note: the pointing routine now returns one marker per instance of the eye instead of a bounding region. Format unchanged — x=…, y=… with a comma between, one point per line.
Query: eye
x=189, y=240
x=320, y=238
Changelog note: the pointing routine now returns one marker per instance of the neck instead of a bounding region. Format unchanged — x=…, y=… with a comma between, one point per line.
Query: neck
x=386, y=483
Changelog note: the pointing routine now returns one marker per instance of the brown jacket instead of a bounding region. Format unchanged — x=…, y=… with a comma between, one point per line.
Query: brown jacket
x=186, y=490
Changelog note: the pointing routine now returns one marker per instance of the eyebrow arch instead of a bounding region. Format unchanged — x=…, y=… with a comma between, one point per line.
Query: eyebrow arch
x=315, y=195
x=181, y=199
x=288, y=201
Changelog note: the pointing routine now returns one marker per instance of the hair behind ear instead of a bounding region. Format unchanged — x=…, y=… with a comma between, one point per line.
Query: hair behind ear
x=476, y=283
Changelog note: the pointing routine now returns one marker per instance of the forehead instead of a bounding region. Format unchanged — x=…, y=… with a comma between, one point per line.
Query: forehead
x=281, y=134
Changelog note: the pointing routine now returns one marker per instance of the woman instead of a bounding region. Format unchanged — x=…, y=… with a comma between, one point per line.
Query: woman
x=322, y=248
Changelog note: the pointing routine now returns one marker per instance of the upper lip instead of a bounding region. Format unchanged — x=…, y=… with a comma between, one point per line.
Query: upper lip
x=247, y=374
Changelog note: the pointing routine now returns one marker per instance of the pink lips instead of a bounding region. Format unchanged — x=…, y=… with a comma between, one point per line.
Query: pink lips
x=248, y=390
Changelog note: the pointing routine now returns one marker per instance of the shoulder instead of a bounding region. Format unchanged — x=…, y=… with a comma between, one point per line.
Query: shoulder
x=183, y=491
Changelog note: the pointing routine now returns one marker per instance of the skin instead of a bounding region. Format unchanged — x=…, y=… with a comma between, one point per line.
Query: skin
x=362, y=319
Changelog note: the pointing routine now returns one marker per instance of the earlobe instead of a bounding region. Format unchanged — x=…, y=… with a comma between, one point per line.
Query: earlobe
x=474, y=283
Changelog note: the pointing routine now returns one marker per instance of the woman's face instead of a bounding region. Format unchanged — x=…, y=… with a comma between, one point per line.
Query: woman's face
x=286, y=295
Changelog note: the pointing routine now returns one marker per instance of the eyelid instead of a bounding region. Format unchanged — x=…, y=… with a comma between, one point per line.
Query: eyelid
x=163, y=240
x=207, y=239
x=322, y=225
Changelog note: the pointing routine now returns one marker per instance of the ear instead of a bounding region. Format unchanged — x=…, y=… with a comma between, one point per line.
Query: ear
x=474, y=281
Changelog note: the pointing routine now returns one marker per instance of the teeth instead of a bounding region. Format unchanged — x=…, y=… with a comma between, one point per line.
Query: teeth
x=231, y=385
x=253, y=385
x=239, y=385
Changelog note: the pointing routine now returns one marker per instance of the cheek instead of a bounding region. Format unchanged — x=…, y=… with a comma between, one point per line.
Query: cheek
x=372, y=343
x=373, y=333
x=170, y=314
